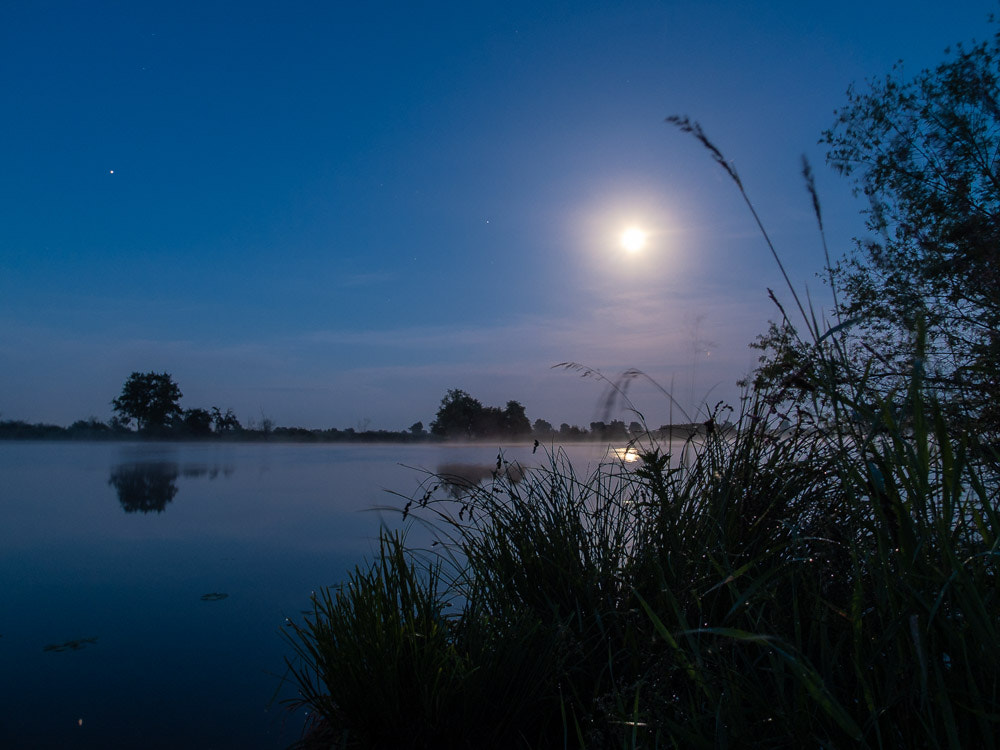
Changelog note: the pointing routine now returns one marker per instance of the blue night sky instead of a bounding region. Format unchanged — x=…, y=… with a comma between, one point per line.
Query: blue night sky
x=330, y=213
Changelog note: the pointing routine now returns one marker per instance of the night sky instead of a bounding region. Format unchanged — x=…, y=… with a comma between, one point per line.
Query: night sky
x=330, y=213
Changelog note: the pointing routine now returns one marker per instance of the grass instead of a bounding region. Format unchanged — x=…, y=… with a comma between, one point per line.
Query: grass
x=780, y=589
x=824, y=577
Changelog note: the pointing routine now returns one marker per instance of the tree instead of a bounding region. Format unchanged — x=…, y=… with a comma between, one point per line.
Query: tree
x=515, y=421
x=616, y=430
x=542, y=429
x=150, y=398
x=457, y=416
x=926, y=153
x=568, y=432
x=225, y=423
x=198, y=422
x=462, y=416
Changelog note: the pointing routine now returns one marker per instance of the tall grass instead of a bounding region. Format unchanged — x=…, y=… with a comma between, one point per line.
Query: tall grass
x=823, y=577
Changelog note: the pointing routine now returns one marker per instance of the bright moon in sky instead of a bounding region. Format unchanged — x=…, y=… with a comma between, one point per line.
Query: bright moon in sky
x=633, y=239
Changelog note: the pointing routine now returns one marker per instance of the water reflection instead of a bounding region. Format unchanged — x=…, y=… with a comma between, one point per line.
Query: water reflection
x=145, y=487
x=74, y=645
x=200, y=470
x=278, y=521
x=459, y=478
x=627, y=454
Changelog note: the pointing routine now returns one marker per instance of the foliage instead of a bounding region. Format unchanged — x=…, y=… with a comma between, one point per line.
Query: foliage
x=225, y=423
x=542, y=429
x=197, y=422
x=614, y=430
x=457, y=415
x=381, y=664
x=515, y=421
x=463, y=417
x=150, y=398
x=926, y=153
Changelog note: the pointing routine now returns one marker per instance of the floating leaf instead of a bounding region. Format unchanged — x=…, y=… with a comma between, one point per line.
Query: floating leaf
x=74, y=645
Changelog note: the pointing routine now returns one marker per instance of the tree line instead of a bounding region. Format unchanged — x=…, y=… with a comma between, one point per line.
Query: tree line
x=148, y=406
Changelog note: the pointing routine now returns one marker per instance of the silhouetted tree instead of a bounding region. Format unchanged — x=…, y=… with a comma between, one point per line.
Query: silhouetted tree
x=462, y=416
x=616, y=431
x=542, y=429
x=150, y=398
x=515, y=422
x=457, y=415
x=417, y=429
x=225, y=423
x=197, y=422
x=489, y=421
x=925, y=151
x=567, y=432
x=89, y=428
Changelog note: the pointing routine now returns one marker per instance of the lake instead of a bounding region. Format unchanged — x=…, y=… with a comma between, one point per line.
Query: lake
x=146, y=585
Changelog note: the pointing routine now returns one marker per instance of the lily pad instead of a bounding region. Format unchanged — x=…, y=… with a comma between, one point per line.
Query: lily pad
x=74, y=645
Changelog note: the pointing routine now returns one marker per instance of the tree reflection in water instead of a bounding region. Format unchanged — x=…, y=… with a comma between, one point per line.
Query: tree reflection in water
x=145, y=487
x=459, y=479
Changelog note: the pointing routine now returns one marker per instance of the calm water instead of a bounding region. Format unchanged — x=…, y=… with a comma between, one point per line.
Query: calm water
x=145, y=587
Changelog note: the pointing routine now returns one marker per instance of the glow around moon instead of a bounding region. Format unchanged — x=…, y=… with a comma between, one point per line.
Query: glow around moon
x=633, y=239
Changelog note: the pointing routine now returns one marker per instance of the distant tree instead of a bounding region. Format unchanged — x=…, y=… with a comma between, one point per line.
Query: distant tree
x=417, y=429
x=542, y=429
x=635, y=429
x=462, y=416
x=118, y=424
x=266, y=423
x=197, y=422
x=90, y=427
x=616, y=431
x=925, y=151
x=150, y=398
x=225, y=423
x=515, y=421
x=488, y=422
x=567, y=432
x=457, y=416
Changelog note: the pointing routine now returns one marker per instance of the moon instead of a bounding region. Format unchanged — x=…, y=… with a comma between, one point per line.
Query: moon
x=633, y=239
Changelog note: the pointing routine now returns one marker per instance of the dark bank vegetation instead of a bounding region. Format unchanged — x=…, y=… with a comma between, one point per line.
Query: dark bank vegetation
x=823, y=574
